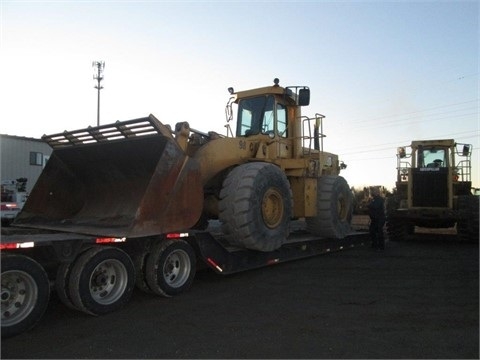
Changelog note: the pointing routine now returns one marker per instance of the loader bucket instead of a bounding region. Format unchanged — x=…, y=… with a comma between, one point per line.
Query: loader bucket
x=129, y=187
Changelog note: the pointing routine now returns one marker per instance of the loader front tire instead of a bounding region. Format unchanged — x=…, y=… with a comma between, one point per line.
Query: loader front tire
x=467, y=226
x=334, y=208
x=256, y=207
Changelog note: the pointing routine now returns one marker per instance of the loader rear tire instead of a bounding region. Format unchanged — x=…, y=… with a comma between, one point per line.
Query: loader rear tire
x=334, y=208
x=256, y=207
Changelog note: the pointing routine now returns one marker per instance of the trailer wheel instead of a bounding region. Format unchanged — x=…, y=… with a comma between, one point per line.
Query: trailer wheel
x=334, y=208
x=256, y=206
x=61, y=284
x=102, y=280
x=25, y=293
x=171, y=267
x=140, y=263
x=62, y=280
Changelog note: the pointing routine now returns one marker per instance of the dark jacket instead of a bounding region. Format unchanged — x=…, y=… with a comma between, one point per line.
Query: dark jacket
x=376, y=208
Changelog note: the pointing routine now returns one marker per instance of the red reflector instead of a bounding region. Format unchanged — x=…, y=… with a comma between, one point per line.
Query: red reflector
x=108, y=240
x=273, y=261
x=28, y=244
x=8, y=246
x=104, y=240
x=176, y=235
x=214, y=264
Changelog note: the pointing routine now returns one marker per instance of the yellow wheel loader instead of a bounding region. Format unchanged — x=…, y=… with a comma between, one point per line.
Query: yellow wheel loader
x=137, y=203
x=140, y=178
x=433, y=190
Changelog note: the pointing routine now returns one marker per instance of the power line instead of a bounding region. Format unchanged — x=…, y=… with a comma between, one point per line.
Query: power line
x=413, y=112
x=399, y=143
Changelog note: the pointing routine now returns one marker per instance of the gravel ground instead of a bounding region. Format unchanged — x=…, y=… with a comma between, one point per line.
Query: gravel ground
x=417, y=299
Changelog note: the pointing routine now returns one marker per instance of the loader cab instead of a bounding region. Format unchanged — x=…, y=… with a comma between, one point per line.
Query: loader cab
x=430, y=176
x=265, y=111
x=261, y=115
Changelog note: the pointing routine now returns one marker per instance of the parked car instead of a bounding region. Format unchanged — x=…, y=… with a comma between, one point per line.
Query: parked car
x=14, y=196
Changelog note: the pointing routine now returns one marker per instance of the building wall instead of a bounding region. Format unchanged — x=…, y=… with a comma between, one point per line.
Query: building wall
x=22, y=157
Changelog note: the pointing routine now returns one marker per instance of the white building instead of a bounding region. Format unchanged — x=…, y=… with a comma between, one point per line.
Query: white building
x=22, y=157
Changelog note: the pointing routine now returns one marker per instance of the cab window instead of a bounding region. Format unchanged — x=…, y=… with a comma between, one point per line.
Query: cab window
x=281, y=120
x=431, y=157
x=256, y=115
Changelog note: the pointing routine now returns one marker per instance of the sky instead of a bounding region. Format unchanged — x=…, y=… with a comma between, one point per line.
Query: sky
x=383, y=73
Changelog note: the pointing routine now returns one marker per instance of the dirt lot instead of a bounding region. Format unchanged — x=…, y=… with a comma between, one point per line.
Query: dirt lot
x=418, y=299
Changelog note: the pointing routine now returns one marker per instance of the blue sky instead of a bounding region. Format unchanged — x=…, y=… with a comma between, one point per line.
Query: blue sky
x=383, y=73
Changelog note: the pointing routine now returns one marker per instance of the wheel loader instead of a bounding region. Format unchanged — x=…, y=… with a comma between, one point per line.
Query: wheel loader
x=140, y=204
x=433, y=190
x=140, y=177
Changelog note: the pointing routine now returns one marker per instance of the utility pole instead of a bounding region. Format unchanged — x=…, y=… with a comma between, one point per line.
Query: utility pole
x=98, y=67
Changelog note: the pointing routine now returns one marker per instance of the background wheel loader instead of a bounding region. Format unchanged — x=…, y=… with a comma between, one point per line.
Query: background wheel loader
x=433, y=190
x=139, y=178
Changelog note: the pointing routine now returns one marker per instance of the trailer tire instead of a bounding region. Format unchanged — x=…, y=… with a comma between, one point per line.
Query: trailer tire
x=140, y=263
x=171, y=267
x=62, y=280
x=25, y=294
x=256, y=207
x=334, y=208
x=61, y=284
x=102, y=280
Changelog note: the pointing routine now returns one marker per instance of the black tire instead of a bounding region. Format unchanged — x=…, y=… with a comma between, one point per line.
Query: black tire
x=467, y=227
x=62, y=280
x=25, y=294
x=255, y=207
x=334, y=208
x=170, y=267
x=398, y=229
x=102, y=280
x=140, y=264
x=61, y=284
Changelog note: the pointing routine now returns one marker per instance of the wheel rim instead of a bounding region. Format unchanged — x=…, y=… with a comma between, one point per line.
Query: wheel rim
x=272, y=208
x=108, y=282
x=176, y=268
x=19, y=295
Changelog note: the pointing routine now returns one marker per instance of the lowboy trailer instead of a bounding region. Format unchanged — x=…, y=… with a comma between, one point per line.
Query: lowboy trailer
x=96, y=275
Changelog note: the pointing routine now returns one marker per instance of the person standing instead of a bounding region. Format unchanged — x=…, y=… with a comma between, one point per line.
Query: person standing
x=376, y=211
